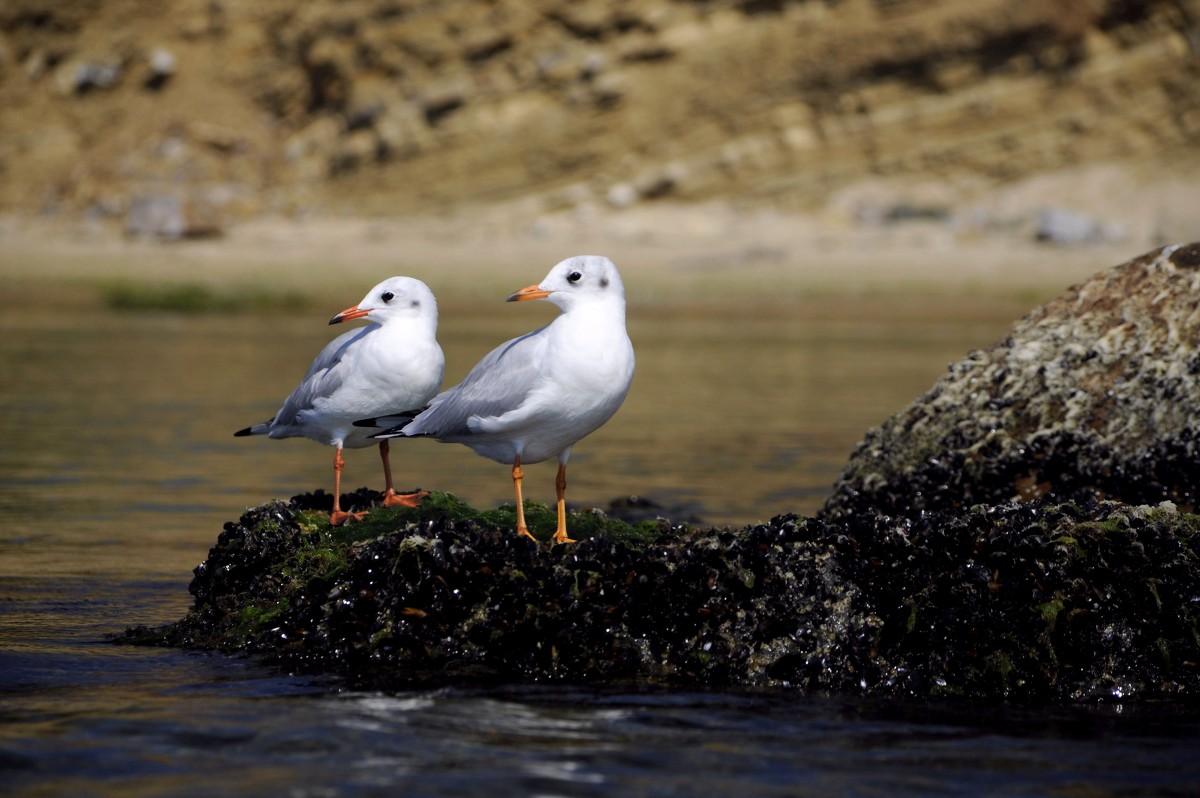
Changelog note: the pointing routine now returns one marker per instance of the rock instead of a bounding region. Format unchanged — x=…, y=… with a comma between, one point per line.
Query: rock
x=328, y=65
x=310, y=151
x=80, y=77
x=1025, y=602
x=622, y=195
x=644, y=47
x=355, y=150
x=480, y=45
x=221, y=138
x=161, y=68
x=606, y=90
x=403, y=132
x=35, y=65
x=155, y=216
x=369, y=99
x=1092, y=395
x=636, y=509
x=439, y=100
x=661, y=182
x=1066, y=227
x=591, y=19
x=169, y=216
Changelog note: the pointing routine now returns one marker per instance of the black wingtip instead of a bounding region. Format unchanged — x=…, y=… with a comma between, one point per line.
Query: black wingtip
x=243, y=433
x=392, y=421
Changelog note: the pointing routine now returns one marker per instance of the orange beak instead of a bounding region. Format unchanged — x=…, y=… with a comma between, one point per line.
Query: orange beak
x=349, y=314
x=529, y=292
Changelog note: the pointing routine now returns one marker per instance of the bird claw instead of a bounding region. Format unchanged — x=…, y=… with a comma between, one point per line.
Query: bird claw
x=393, y=499
x=561, y=537
x=337, y=518
x=523, y=532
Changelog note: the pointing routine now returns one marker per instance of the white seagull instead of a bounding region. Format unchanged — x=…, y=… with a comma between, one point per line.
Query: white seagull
x=394, y=361
x=534, y=397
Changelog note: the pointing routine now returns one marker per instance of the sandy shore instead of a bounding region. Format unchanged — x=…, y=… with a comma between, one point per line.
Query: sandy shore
x=667, y=255
x=985, y=248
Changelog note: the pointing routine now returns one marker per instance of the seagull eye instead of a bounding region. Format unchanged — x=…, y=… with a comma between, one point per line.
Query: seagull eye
x=574, y=277
x=387, y=296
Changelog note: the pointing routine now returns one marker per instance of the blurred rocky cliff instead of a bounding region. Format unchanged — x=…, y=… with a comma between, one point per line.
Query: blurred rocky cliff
x=181, y=116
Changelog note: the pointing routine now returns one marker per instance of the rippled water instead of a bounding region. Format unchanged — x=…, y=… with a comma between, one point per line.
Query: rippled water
x=118, y=467
x=79, y=717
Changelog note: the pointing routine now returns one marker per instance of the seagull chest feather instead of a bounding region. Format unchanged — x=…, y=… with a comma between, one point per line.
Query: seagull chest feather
x=589, y=356
x=395, y=353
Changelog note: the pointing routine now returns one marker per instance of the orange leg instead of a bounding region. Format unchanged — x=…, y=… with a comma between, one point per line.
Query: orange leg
x=518, y=475
x=337, y=516
x=390, y=497
x=560, y=487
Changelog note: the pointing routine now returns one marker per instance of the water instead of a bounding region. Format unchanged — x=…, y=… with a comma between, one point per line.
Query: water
x=118, y=467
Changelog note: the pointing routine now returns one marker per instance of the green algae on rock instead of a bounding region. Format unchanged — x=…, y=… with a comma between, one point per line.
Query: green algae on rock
x=1093, y=395
x=1026, y=601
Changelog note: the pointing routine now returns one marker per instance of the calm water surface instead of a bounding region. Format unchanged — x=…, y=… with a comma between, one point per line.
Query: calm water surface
x=118, y=467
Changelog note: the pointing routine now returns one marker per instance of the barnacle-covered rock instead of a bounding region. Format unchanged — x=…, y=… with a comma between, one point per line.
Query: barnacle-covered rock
x=1093, y=395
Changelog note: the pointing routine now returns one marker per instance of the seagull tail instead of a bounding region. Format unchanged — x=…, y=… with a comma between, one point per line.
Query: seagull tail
x=387, y=422
x=392, y=425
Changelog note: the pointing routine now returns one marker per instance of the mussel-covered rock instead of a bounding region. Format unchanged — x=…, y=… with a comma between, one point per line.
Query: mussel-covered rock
x=1093, y=395
x=1024, y=601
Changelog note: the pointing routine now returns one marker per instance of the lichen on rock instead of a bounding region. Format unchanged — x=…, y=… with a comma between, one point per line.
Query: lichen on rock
x=1091, y=395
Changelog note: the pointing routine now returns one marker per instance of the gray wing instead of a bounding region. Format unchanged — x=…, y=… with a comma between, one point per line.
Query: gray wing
x=497, y=384
x=323, y=378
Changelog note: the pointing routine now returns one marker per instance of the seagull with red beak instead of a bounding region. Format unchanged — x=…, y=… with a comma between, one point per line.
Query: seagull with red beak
x=394, y=361
x=535, y=397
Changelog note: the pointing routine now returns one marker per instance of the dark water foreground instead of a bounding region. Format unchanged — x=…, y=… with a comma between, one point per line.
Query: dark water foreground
x=82, y=717
x=1026, y=602
x=164, y=722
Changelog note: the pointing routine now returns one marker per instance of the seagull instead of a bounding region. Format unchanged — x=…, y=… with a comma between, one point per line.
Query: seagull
x=534, y=397
x=394, y=361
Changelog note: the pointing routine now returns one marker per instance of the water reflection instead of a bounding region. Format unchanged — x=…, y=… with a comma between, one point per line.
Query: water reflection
x=116, y=429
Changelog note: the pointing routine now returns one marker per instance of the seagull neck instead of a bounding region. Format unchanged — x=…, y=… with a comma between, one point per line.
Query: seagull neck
x=406, y=326
x=593, y=313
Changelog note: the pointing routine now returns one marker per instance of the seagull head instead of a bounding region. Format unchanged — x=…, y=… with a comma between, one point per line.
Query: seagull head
x=395, y=297
x=583, y=278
